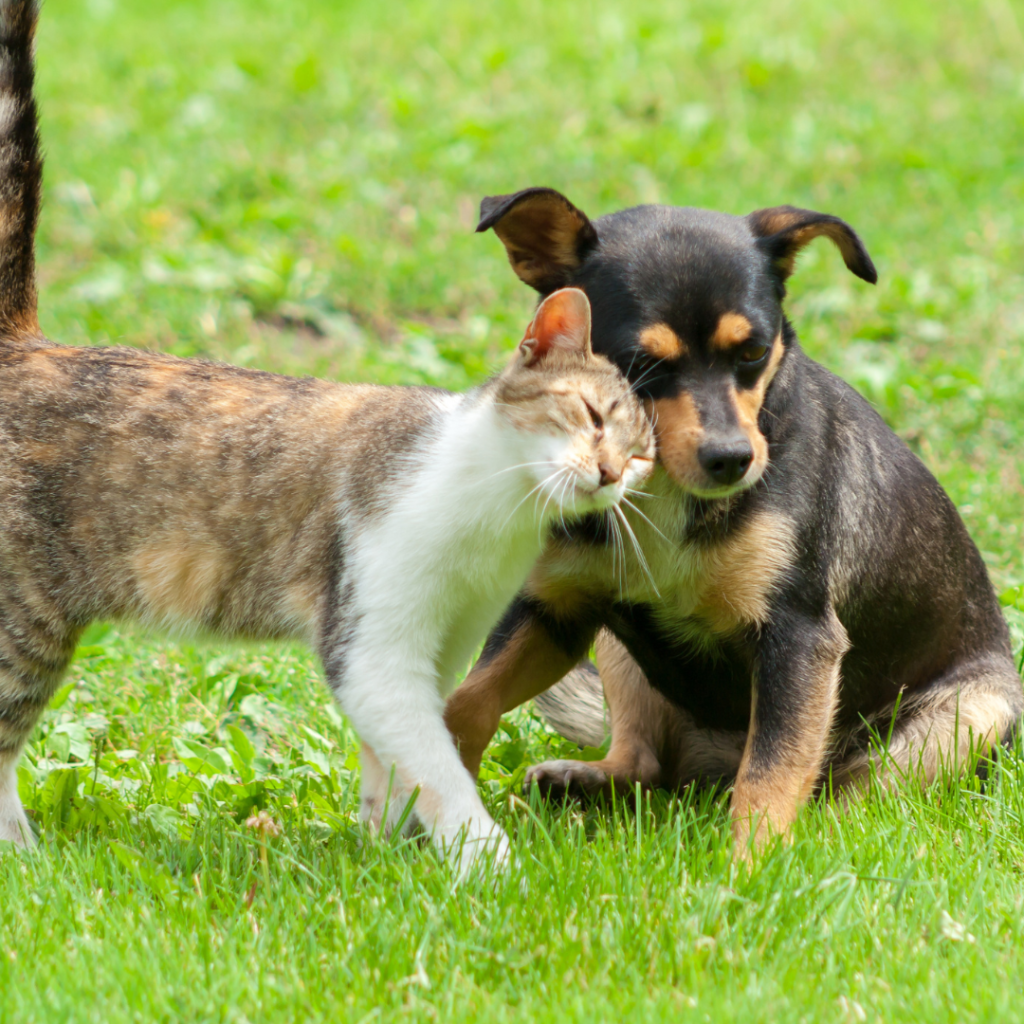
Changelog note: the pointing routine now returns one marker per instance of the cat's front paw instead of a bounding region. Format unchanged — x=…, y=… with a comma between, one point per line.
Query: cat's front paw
x=482, y=845
x=575, y=778
x=384, y=811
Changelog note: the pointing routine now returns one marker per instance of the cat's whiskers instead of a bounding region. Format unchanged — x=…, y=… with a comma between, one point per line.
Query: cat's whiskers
x=647, y=372
x=542, y=518
x=569, y=480
x=512, y=469
x=644, y=567
x=559, y=507
x=526, y=497
x=632, y=363
x=618, y=553
x=629, y=504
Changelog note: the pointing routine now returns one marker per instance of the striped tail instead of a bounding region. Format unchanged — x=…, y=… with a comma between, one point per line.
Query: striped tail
x=21, y=170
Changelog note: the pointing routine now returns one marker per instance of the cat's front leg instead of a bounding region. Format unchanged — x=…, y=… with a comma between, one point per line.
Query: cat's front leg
x=392, y=700
x=381, y=798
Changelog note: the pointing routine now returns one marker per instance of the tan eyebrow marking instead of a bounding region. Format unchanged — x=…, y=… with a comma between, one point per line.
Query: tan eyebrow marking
x=662, y=342
x=732, y=329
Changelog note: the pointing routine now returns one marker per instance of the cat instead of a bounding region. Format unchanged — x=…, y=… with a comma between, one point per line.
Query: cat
x=387, y=527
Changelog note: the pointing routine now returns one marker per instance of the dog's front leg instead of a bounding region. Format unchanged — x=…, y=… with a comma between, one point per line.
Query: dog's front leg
x=795, y=688
x=520, y=659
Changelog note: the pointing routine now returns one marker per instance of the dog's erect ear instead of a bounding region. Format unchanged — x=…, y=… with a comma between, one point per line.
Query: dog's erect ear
x=545, y=236
x=562, y=323
x=782, y=231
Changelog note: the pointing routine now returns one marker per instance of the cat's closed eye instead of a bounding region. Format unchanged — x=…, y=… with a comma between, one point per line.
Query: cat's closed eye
x=595, y=416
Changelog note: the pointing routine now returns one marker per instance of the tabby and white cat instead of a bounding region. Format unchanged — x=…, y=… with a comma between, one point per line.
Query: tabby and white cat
x=386, y=527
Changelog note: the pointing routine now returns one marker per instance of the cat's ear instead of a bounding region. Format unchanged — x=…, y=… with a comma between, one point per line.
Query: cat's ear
x=545, y=236
x=562, y=324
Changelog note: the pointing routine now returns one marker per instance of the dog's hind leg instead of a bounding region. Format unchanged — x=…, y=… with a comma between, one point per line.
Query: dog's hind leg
x=946, y=728
x=654, y=742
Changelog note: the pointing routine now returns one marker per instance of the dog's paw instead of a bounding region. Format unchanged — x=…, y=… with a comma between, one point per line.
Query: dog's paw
x=576, y=778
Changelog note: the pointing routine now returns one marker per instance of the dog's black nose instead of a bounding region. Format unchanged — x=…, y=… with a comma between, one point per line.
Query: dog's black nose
x=725, y=462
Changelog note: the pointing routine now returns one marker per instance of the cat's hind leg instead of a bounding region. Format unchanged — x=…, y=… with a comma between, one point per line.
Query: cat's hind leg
x=31, y=664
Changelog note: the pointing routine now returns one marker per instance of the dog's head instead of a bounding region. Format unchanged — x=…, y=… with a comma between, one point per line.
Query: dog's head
x=688, y=303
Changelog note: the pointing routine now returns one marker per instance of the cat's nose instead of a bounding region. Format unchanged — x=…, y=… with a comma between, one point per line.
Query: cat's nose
x=609, y=474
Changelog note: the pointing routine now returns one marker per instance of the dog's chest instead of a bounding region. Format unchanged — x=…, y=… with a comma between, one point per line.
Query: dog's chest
x=691, y=585
x=726, y=585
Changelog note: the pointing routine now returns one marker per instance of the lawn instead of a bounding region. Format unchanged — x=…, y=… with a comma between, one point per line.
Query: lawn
x=294, y=186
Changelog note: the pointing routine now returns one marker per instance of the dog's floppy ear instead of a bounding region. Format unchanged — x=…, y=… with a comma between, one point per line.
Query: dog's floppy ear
x=545, y=236
x=782, y=231
x=561, y=323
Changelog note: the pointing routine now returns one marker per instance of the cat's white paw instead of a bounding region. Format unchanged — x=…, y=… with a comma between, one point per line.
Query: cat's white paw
x=384, y=811
x=14, y=826
x=481, y=845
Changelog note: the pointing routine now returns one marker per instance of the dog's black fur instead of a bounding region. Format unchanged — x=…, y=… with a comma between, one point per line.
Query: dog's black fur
x=808, y=576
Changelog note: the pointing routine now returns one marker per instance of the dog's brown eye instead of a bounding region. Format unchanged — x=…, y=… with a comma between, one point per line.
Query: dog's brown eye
x=753, y=353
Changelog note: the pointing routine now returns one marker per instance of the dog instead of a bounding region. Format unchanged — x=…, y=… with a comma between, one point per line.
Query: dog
x=796, y=584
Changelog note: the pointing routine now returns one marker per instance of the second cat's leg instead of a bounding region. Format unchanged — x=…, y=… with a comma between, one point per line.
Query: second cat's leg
x=391, y=697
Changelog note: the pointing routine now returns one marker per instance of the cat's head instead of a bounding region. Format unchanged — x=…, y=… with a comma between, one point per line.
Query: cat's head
x=588, y=435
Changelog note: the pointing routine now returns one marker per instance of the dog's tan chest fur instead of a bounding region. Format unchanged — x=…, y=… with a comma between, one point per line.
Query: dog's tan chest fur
x=714, y=587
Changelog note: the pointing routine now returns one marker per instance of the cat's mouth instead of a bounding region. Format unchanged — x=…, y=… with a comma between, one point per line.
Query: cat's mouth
x=597, y=491
x=594, y=497
x=581, y=490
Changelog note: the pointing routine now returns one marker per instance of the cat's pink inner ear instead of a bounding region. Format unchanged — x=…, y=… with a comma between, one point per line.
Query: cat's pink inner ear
x=562, y=323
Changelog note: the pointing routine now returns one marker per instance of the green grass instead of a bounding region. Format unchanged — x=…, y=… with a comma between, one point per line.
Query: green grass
x=294, y=186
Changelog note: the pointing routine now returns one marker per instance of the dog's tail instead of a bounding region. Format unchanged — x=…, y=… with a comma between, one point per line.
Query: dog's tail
x=21, y=170
x=574, y=707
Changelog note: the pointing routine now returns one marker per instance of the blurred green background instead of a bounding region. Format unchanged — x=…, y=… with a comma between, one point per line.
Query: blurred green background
x=295, y=186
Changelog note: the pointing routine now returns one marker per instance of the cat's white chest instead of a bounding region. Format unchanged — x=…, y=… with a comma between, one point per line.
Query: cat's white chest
x=487, y=586
x=450, y=553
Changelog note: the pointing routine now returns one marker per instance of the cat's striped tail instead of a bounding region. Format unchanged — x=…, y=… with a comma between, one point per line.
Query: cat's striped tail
x=21, y=169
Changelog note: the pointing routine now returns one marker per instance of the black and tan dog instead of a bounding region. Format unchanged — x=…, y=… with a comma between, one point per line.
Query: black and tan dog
x=807, y=583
